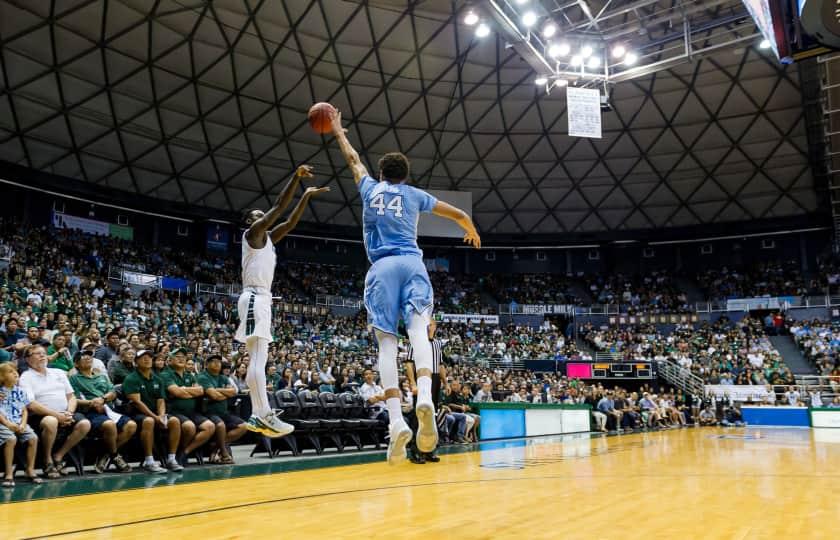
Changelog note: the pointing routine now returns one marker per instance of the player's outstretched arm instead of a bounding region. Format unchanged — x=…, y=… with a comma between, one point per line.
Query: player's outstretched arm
x=280, y=231
x=347, y=150
x=257, y=230
x=460, y=217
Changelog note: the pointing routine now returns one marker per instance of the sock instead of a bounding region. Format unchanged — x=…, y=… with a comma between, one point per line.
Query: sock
x=258, y=352
x=394, y=409
x=149, y=460
x=424, y=388
x=170, y=457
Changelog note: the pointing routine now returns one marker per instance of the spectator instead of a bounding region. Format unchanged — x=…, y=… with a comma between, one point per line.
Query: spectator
x=118, y=371
x=707, y=417
x=239, y=379
x=14, y=427
x=457, y=403
x=58, y=354
x=96, y=397
x=218, y=390
x=485, y=395
x=374, y=397
x=52, y=409
x=146, y=394
x=109, y=354
x=183, y=391
x=606, y=405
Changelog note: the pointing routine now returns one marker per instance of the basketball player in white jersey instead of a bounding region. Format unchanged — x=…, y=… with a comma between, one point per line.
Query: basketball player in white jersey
x=258, y=262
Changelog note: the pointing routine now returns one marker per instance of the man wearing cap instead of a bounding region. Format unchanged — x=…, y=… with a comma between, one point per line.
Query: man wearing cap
x=96, y=395
x=52, y=409
x=147, y=395
x=217, y=390
x=182, y=393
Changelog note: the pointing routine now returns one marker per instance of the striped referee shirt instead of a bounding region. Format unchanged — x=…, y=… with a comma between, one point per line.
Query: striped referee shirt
x=437, y=354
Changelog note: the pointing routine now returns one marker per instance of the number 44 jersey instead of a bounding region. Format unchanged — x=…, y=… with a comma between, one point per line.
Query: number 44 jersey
x=390, y=213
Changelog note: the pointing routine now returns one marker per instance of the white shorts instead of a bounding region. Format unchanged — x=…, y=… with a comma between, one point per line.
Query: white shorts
x=254, y=315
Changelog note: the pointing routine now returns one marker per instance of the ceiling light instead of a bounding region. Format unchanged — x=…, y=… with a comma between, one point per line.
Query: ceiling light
x=561, y=82
x=586, y=51
x=482, y=30
x=630, y=58
x=471, y=18
x=554, y=51
x=565, y=49
x=576, y=60
x=529, y=19
x=520, y=2
x=765, y=44
x=619, y=51
x=594, y=62
x=539, y=81
x=549, y=30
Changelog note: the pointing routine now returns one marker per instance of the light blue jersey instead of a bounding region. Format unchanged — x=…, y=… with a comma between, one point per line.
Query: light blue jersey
x=397, y=283
x=390, y=214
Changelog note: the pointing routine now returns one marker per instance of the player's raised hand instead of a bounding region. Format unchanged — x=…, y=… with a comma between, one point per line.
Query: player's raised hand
x=336, y=123
x=310, y=191
x=473, y=239
x=305, y=171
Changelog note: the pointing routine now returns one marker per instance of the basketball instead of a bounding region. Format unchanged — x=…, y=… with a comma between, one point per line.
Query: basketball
x=320, y=117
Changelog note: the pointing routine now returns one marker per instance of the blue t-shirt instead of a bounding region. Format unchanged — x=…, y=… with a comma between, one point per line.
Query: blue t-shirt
x=12, y=406
x=390, y=213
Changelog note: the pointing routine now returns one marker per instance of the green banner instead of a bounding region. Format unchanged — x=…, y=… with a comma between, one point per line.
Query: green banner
x=121, y=231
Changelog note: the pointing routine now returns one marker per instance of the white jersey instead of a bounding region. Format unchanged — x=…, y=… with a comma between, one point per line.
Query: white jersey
x=258, y=264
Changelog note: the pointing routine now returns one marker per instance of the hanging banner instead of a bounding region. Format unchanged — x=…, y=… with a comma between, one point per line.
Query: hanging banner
x=121, y=231
x=90, y=226
x=468, y=318
x=583, y=108
x=218, y=237
x=545, y=309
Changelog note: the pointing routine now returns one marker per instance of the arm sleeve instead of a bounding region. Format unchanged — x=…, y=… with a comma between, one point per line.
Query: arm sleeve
x=129, y=387
x=367, y=183
x=426, y=202
x=68, y=389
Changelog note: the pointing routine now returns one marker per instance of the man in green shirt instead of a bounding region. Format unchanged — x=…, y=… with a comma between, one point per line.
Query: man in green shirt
x=217, y=390
x=95, y=395
x=183, y=393
x=147, y=396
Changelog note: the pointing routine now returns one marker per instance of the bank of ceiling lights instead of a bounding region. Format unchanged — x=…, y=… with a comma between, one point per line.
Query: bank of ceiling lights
x=572, y=57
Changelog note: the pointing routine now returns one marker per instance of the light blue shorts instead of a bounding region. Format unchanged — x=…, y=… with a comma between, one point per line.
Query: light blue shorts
x=395, y=287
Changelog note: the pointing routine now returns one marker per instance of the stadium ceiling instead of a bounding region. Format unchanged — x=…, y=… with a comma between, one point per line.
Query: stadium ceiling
x=205, y=103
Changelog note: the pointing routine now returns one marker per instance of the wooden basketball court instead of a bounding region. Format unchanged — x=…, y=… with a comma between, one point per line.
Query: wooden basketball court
x=691, y=483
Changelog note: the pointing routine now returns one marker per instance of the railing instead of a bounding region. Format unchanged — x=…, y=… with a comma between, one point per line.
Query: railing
x=338, y=301
x=5, y=256
x=609, y=357
x=219, y=289
x=681, y=377
x=775, y=302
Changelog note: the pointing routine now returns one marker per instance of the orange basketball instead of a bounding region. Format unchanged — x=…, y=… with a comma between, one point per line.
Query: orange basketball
x=320, y=117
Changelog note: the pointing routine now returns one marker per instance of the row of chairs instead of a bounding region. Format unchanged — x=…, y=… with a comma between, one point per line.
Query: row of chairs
x=321, y=420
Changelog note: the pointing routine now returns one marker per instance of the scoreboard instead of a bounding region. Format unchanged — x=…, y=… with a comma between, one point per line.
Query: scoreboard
x=610, y=370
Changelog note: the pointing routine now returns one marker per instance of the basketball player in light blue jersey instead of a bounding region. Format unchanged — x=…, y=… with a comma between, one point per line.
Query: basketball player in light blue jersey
x=397, y=284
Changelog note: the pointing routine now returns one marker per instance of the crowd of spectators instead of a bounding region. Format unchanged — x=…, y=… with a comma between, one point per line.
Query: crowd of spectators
x=531, y=289
x=98, y=346
x=508, y=344
x=762, y=279
x=719, y=353
x=820, y=343
x=655, y=292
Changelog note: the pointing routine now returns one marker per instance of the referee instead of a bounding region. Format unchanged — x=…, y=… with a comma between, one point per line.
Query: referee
x=438, y=375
